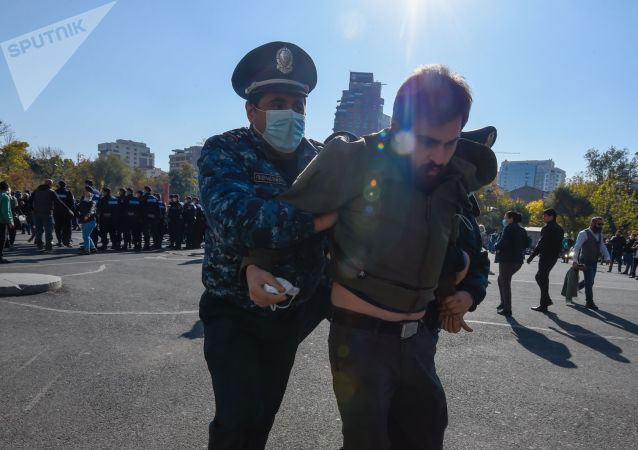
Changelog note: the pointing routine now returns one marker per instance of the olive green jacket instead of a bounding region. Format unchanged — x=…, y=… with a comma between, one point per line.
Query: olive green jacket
x=390, y=241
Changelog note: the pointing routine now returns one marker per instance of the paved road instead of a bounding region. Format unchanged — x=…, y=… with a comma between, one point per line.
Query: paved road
x=114, y=360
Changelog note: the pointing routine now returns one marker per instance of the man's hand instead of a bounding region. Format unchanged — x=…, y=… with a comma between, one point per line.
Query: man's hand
x=325, y=221
x=11, y=226
x=452, y=310
x=256, y=278
x=458, y=303
x=453, y=324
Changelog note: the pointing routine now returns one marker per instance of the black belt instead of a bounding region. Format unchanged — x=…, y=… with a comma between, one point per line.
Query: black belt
x=403, y=329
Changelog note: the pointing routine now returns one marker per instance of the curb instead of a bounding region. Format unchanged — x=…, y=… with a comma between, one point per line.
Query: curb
x=13, y=284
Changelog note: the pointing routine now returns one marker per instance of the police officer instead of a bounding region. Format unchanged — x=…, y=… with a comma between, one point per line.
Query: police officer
x=121, y=215
x=135, y=219
x=188, y=214
x=108, y=213
x=175, y=222
x=61, y=218
x=151, y=216
x=160, y=231
x=200, y=223
x=241, y=173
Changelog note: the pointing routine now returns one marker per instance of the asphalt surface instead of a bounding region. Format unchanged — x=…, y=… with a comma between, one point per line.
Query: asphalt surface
x=114, y=360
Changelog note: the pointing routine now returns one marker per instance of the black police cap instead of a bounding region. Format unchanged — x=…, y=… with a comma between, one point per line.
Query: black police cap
x=275, y=67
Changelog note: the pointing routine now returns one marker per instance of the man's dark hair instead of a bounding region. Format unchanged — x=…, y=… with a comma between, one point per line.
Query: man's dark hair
x=515, y=216
x=88, y=183
x=87, y=188
x=147, y=188
x=434, y=92
x=4, y=186
x=61, y=184
x=107, y=190
x=550, y=212
x=139, y=192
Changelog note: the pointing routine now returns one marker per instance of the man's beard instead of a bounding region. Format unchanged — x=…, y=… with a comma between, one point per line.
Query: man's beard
x=428, y=175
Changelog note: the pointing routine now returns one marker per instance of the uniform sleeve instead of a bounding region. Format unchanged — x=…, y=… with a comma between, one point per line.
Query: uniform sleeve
x=475, y=282
x=230, y=202
x=332, y=178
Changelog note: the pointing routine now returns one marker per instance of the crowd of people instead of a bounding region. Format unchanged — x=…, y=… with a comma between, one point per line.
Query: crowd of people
x=588, y=251
x=130, y=220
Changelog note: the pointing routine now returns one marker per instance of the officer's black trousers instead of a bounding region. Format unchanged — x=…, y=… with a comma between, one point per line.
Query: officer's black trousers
x=545, y=266
x=175, y=232
x=249, y=359
x=388, y=393
x=151, y=229
x=108, y=230
x=62, y=226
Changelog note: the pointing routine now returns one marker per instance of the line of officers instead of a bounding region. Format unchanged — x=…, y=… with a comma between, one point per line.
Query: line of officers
x=131, y=219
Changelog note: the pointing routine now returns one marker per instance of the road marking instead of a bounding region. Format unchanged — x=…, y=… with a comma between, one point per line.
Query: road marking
x=507, y=325
x=596, y=286
x=98, y=270
x=105, y=313
x=108, y=260
x=41, y=394
x=28, y=363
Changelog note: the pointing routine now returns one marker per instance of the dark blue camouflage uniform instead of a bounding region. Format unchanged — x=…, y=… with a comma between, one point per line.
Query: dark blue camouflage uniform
x=238, y=189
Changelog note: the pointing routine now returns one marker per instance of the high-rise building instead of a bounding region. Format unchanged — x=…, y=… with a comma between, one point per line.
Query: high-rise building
x=136, y=154
x=180, y=156
x=360, y=110
x=543, y=175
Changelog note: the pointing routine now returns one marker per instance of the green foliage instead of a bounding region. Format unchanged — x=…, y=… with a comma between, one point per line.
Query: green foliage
x=112, y=172
x=183, y=181
x=613, y=164
x=573, y=209
x=494, y=203
x=535, y=210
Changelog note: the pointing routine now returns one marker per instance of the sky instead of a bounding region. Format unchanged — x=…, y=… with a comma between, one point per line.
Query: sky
x=554, y=77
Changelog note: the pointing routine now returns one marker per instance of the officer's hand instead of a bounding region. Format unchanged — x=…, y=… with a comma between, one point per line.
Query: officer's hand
x=458, y=303
x=454, y=324
x=325, y=221
x=256, y=278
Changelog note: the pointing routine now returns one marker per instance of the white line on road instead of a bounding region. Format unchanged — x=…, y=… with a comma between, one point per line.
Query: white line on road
x=104, y=313
x=98, y=270
x=507, y=325
x=28, y=363
x=596, y=286
x=84, y=261
x=41, y=393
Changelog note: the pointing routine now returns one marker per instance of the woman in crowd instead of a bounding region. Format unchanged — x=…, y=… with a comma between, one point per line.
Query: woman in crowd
x=510, y=251
x=86, y=218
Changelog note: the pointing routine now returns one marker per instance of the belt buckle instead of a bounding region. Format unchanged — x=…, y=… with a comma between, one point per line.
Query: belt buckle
x=409, y=329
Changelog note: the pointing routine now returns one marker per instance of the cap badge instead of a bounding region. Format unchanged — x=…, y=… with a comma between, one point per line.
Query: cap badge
x=284, y=60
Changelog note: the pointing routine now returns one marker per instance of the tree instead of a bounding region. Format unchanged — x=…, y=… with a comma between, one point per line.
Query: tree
x=6, y=133
x=613, y=163
x=572, y=209
x=111, y=171
x=14, y=165
x=183, y=181
x=535, y=210
x=616, y=205
x=46, y=161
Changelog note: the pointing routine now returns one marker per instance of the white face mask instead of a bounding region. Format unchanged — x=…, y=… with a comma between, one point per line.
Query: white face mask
x=284, y=129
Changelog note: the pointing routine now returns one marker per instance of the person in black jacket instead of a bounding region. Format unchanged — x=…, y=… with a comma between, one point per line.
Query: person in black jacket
x=510, y=249
x=175, y=222
x=42, y=201
x=151, y=218
x=86, y=217
x=108, y=213
x=61, y=218
x=617, y=244
x=549, y=247
x=189, y=214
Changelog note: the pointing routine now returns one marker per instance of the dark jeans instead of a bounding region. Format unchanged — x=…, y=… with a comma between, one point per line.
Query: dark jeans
x=249, y=358
x=3, y=237
x=545, y=266
x=63, y=228
x=506, y=271
x=108, y=230
x=628, y=259
x=387, y=389
x=615, y=257
x=43, y=224
x=588, y=281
